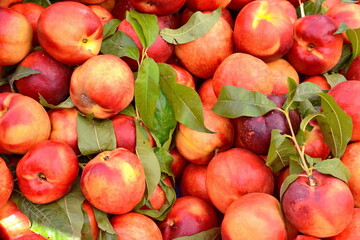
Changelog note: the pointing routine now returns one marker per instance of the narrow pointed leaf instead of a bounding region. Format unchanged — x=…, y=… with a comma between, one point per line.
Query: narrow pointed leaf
x=95, y=135
x=121, y=45
x=164, y=120
x=44, y=3
x=145, y=25
x=235, y=102
x=148, y=159
x=198, y=25
x=19, y=73
x=334, y=79
x=335, y=168
x=280, y=151
x=312, y=161
x=129, y=111
x=354, y=37
x=184, y=101
x=68, y=103
x=335, y=125
x=147, y=90
x=71, y=204
x=110, y=27
x=345, y=59
x=103, y=221
x=165, y=160
x=342, y=28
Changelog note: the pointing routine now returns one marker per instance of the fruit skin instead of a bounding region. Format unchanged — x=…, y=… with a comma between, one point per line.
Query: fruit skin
x=77, y=39
x=20, y=114
x=320, y=211
x=351, y=159
x=52, y=83
x=315, y=145
x=206, y=5
x=320, y=80
x=229, y=73
x=13, y=222
x=264, y=30
x=305, y=237
x=352, y=230
x=345, y=13
x=8, y=3
x=110, y=178
x=16, y=36
x=234, y=173
x=183, y=76
x=207, y=94
x=281, y=70
x=347, y=97
x=98, y=75
x=178, y=164
x=202, y=56
x=353, y=72
x=188, y=216
x=255, y=216
x=32, y=13
x=104, y=14
x=158, y=7
x=199, y=147
x=6, y=183
x=30, y=236
x=63, y=127
x=90, y=214
x=135, y=226
x=254, y=133
x=193, y=181
x=38, y=171
x=316, y=48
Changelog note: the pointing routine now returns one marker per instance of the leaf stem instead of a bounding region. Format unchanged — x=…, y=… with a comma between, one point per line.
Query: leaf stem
x=302, y=11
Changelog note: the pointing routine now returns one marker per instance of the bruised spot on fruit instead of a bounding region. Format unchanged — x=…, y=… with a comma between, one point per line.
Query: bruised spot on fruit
x=106, y=157
x=86, y=99
x=42, y=177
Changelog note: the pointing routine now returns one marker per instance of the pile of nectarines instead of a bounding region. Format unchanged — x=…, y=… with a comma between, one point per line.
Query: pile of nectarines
x=179, y=119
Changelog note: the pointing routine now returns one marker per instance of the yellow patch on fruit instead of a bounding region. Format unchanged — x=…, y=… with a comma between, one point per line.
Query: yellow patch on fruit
x=129, y=173
x=262, y=14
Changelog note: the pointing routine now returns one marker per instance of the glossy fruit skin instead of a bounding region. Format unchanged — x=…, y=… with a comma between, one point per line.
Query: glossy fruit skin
x=158, y=7
x=38, y=176
x=316, y=48
x=6, y=182
x=254, y=133
x=21, y=114
x=320, y=211
x=110, y=178
x=52, y=83
x=352, y=230
x=14, y=44
x=75, y=41
x=188, y=216
x=132, y=225
x=234, y=173
x=255, y=216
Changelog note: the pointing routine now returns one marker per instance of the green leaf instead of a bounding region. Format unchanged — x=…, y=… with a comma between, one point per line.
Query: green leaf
x=94, y=135
x=235, y=102
x=68, y=103
x=161, y=213
x=165, y=160
x=164, y=120
x=103, y=221
x=71, y=204
x=342, y=28
x=59, y=220
x=312, y=7
x=335, y=125
x=354, y=37
x=303, y=92
x=121, y=45
x=197, y=26
x=103, y=235
x=19, y=73
x=145, y=25
x=285, y=185
x=86, y=231
x=304, y=126
x=110, y=28
x=211, y=234
x=281, y=151
x=147, y=90
x=345, y=59
x=335, y=168
x=184, y=101
x=334, y=78
x=306, y=108
x=44, y=3
x=129, y=111
x=148, y=159
x=312, y=161
x=294, y=166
